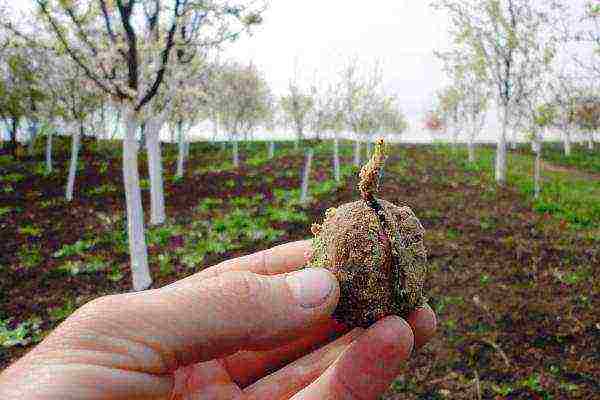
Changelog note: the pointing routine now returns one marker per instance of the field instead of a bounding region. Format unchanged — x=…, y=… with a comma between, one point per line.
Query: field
x=514, y=281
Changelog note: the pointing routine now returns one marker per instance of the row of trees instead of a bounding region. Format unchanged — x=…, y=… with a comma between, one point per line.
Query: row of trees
x=127, y=70
x=136, y=57
x=513, y=51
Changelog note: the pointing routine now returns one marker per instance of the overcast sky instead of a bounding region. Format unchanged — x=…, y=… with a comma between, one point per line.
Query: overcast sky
x=322, y=35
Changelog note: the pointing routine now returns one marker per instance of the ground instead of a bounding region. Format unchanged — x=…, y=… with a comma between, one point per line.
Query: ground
x=513, y=280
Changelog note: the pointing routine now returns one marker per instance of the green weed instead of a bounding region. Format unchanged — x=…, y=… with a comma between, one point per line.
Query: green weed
x=23, y=334
x=78, y=248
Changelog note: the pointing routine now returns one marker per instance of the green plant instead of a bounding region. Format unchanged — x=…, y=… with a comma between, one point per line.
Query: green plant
x=246, y=202
x=5, y=211
x=30, y=230
x=40, y=169
x=23, y=334
x=193, y=260
x=325, y=187
x=484, y=279
x=61, y=313
x=115, y=274
x=12, y=178
x=208, y=204
x=77, y=248
x=30, y=255
x=101, y=190
x=74, y=268
x=285, y=215
x=165, y=264
x=145, y=184
x=161, y=235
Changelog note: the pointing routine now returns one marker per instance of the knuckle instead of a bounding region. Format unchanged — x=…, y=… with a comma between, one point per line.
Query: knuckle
x=246, y=287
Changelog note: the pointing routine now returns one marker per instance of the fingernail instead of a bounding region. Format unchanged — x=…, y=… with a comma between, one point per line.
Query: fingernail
x=311, y=286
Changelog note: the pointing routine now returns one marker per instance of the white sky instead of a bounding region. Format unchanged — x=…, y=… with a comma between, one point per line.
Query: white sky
x=323, y=34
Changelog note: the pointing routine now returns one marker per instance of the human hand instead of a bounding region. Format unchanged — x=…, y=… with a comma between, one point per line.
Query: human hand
x=227, y=332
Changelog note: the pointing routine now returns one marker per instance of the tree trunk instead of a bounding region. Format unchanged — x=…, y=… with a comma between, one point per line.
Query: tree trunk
x=33, y=131
x=138, y=251
x=369, y=146
x=117, y=123
x=104, y=133
x=567, y=142
x=357, y=152
x=336, y=158
x=591, y=142
x=13, y=138
x=271, y=150
x=471, y=149
x=536, y=183
x=306, y=176
x=181, y=153
x=513, y=142
x=236, y=152
x=49, y=149
x=75, y=144
x=501, y=149
x=143, y=135
x=155, y=172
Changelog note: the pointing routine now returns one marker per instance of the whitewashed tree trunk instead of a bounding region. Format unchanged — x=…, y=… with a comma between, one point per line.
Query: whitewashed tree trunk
x=271, y=149
x=75, y=144
x=513, y=142
x=33, y=131
x=537, y=170
x=369, y=145
x=49, y=150
x=306, y=176
x=336, y=158
x=567, y=142
x=181, y=152
x=138, y=251
x=591, y=141
x=236, y=152
x=357, y=152
x=471, y=149
x=455, y=133
x=155, y=172
x=501, y=149
x=117, y=126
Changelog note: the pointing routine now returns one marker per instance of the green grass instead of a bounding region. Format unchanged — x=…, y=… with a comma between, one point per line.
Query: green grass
x=581, y=158
x=564, y=196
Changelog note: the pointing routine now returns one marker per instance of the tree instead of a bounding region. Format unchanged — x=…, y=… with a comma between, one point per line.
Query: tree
x=79, y=99
x=512, y=40
x=472, y=93
x=130, y=50
x=243, y=100
x=297, y=106
x=351, y=87
x=19, y=89
x=587, y=116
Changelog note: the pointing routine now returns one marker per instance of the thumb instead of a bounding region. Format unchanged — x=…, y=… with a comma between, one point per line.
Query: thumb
x=176, y=326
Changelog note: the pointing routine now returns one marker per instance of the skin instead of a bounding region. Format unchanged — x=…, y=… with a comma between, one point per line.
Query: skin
x=239, y=330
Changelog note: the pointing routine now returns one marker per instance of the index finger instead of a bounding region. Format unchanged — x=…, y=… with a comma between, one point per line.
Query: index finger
x=280, y=259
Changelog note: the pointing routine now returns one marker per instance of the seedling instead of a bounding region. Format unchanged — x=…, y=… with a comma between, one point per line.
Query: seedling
x=376, y=251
